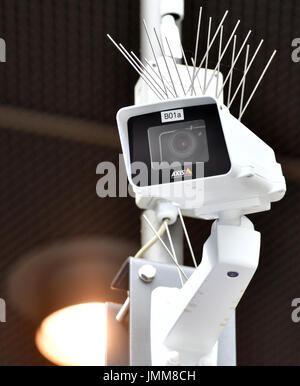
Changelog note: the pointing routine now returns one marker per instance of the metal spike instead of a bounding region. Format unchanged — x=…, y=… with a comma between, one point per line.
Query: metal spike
x=207, y=53
x=155, y=58
x=223, y=53
x=175, y=65
x=233, y=62
x=187, y=68
x=244, y=82
x=219, y=61
x=245, y=74
x=211, y=43
x=196, y=45
x=164, y=57
x=136, y=69
x=167, y=83
x=139, y=69
x=258, y=83
x=230, y=74
x=148, y=72
x=197, y=77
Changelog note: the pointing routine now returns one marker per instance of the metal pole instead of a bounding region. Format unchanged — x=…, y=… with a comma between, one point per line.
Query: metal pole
x=152, y=11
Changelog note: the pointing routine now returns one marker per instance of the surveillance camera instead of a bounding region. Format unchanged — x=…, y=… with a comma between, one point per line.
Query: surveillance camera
x=195, y=154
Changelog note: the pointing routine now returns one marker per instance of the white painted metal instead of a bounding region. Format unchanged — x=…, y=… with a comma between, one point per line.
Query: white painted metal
x=190, y=320
x=143, y=95
x=169, y=28
x=153, y=11
x=253, y=182
x=172, y=7
x=157, y=14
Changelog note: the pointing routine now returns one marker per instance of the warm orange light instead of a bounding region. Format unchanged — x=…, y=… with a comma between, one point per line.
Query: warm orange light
x=74, y=335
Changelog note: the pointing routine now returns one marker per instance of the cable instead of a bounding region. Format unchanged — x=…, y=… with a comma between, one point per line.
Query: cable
x=166, y=248
x=151, y=242
x=125, y=307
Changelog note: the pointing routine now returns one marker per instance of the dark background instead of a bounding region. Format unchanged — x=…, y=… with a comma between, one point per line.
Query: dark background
x=60, y=89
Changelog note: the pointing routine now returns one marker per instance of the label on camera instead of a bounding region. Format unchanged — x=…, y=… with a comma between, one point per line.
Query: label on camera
x=172, y=115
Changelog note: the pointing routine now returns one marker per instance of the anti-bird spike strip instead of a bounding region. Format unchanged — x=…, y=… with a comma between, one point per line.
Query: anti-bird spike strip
x=148, y=72
x=165, y=60
x=136, y=68
x=223, y=53
x=187, y=68
x=164, y=88
x=167, y=83
x=211, y=43
x=246, y=72
x=155, y=58
x=140, y=70
x=233, y=62
x=258, y=83
x=175, y=65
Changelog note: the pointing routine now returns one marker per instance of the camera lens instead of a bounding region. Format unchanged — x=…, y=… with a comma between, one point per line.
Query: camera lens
x=182, y=144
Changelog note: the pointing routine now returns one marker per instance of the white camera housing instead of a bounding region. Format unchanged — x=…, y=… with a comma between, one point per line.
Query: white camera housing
x=253, y=180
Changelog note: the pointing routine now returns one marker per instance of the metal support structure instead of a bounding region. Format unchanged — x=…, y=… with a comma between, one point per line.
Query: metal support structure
x=153, y=11
x=129, y=278
x=117, y=346
x=189, y=321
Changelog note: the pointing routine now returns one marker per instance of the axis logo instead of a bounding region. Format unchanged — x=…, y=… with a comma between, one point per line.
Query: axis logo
x=181, y=173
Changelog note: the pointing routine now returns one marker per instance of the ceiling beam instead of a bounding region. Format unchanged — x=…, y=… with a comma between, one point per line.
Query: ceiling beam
x=58, y=126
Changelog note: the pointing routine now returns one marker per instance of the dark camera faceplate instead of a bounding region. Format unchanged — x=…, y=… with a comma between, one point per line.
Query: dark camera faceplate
x=214, y=154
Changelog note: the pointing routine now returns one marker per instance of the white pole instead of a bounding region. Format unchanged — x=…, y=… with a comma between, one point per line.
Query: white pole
x=153, y=11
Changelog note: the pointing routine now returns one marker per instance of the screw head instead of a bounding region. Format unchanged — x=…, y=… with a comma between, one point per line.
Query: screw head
x=147, y=273
x=232, y=274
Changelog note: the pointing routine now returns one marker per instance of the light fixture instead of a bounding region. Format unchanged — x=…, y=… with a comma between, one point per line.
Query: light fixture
x=75, y=335
x=64, y=289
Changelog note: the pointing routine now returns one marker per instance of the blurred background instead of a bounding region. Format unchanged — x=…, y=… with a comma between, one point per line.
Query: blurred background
x=61, y=87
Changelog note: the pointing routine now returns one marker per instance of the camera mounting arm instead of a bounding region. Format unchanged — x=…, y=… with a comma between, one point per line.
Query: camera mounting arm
x=186, y=323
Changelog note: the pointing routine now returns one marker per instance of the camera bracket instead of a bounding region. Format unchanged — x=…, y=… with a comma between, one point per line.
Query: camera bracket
x=186, y=323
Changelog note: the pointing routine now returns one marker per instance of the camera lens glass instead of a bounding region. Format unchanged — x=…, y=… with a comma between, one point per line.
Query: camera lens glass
x=182, y=143
x=179, y=142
